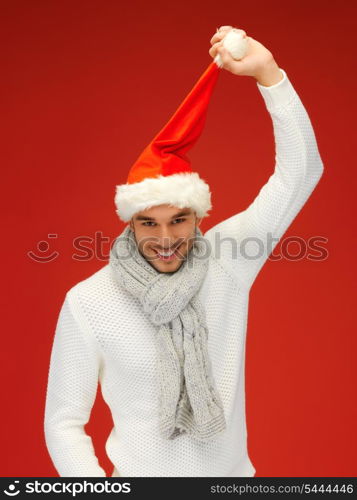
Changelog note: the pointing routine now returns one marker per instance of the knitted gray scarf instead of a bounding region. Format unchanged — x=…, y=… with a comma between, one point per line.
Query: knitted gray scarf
x=188, y=400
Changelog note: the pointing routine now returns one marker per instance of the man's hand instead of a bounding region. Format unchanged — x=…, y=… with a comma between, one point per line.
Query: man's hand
x=258, y=61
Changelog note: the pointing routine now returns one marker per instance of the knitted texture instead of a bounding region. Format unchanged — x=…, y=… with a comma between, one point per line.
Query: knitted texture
x=189, y=401
x=102, y=334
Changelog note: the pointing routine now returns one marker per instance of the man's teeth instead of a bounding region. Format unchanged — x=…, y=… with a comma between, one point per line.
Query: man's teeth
x=166, y=254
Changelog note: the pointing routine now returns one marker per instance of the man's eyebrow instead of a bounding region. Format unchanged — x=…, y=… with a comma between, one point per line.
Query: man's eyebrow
x=179, y=214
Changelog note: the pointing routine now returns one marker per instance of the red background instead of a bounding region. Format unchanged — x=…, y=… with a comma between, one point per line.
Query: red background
x=85, y=86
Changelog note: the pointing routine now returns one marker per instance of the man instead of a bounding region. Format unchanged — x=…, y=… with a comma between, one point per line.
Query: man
x=162, y=327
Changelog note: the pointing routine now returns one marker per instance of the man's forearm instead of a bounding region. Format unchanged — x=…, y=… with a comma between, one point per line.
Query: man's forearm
x=270, y=75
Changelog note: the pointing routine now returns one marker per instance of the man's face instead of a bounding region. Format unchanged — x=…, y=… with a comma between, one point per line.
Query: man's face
x=165, y=229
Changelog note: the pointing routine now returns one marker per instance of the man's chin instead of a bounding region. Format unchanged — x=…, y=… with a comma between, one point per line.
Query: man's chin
x=165, y=267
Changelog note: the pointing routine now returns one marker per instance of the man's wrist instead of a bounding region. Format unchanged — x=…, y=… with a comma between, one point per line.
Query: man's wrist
x=270, y=75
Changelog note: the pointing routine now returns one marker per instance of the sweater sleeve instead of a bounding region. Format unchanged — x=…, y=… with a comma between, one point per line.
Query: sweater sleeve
x=243, y=242
x=71, y=392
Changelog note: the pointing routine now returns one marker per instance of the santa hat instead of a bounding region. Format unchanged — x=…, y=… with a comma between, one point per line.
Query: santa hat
x=162, y=174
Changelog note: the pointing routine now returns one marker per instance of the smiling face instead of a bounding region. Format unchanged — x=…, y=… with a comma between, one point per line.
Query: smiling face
x=164, y=229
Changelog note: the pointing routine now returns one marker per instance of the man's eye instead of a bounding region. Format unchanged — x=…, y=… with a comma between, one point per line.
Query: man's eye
x=180, y=219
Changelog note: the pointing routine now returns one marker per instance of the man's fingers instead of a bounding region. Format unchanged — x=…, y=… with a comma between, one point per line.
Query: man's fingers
x=213, y=50
x=224, y=28
x=230, y=64
x=227, y=59
x=219, y=35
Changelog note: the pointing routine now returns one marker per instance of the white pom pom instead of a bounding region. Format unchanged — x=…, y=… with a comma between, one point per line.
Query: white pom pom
x=236, y=45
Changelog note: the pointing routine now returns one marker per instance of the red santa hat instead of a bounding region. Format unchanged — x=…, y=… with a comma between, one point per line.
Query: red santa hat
x=162, y=174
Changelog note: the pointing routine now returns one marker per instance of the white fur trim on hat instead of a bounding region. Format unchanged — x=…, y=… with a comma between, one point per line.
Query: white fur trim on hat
x=181, y=190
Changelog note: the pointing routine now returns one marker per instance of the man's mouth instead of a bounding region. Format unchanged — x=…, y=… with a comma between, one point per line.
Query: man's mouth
x=167, y=255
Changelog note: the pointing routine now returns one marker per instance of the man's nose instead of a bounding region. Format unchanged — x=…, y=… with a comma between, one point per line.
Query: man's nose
x=165, y=237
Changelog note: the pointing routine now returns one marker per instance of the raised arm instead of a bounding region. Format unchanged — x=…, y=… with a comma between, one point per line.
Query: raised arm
x=71, y=391
x=252, y=235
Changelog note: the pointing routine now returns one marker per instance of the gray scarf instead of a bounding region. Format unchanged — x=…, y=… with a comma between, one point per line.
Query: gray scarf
x=188, y=400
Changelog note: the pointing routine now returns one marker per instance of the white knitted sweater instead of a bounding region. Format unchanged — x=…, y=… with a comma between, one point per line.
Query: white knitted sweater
x=103, y=336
